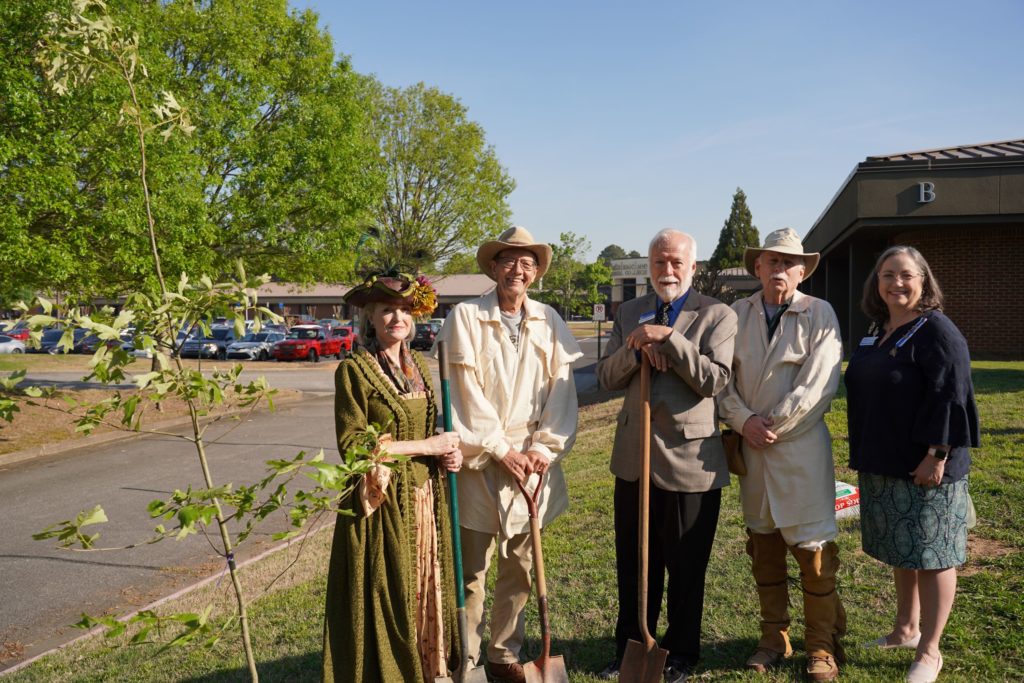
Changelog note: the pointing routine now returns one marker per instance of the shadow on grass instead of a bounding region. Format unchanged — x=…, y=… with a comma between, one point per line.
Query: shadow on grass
x=989, y=381
x=583, y=659
x=590, y=398
x=295, y=669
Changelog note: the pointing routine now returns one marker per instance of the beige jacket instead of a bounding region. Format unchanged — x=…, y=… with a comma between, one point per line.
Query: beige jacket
x=791, y=379
x=503, y=398
x=686, y=449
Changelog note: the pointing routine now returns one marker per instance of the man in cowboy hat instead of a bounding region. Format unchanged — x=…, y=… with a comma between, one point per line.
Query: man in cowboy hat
x=785, y=373
x=688, y=338
x=514, y=405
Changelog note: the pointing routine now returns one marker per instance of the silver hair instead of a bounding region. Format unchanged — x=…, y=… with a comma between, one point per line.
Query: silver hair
x=670, y=235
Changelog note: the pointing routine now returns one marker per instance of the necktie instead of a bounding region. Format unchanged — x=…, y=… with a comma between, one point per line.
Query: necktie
x=661, y=317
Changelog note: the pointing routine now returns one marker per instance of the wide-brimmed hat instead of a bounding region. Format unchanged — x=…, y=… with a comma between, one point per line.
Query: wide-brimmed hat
x=784, y=241
x=394, y=288
x=516, y=237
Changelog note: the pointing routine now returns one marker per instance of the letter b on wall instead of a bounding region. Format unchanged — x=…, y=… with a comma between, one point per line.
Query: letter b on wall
x=925, y=192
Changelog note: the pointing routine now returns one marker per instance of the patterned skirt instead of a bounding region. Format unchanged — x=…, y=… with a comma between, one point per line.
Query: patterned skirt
x=912, y=527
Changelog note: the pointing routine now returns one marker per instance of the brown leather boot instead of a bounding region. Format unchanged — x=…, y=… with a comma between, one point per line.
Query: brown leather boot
x=824, y=615
x=768, y=555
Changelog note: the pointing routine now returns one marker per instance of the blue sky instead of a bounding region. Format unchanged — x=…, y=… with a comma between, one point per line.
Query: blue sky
x=617, y=119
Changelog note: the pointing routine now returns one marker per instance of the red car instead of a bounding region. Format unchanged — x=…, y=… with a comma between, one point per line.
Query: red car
x=308, y=342
x=17, y=331
x=348, y=337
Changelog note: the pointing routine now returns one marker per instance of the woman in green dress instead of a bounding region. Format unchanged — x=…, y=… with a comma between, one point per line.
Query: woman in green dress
x=390, y=612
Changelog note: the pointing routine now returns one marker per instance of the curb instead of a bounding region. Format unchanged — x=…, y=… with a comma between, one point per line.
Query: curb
x=67, y=445
x=98, y=630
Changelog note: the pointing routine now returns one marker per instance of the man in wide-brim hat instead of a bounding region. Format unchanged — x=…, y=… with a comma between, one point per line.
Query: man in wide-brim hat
x=785, y=373
x=514, y=404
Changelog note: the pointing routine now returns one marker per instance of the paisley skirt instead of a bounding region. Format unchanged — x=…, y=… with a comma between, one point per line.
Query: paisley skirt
x=912, y=527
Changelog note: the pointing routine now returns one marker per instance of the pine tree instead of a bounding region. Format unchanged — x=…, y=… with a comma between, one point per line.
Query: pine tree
x=738, y=233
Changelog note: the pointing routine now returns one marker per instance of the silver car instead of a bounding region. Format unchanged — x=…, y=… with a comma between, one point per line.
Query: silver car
x=254, y=346
x=11, y=345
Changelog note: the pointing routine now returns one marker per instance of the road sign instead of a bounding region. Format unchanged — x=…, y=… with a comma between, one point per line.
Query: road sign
x=599, y=312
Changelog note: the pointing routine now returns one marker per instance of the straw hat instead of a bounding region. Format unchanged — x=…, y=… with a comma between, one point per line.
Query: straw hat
x=784, y=241
x=516, y=237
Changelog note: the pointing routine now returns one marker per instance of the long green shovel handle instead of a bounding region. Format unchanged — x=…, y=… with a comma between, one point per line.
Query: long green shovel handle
x=453, y=491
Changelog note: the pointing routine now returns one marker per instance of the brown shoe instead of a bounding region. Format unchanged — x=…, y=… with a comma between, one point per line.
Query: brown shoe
x=822, y=668
x=503, y=672
x=763, y=659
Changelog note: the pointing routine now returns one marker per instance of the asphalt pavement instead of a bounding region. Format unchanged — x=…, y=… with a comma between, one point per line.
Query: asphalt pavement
x=44, y=589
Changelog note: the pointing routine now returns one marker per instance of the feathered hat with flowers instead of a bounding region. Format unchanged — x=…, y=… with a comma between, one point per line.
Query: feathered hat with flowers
x=393, y=287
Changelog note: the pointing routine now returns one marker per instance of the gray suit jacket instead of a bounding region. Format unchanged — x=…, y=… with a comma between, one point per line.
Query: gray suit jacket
x=686, y=447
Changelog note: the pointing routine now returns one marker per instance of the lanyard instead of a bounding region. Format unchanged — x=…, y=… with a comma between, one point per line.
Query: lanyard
x=905, y=338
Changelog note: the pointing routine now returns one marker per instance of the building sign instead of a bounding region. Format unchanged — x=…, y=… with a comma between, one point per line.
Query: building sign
x=629, y=268
x=925, y=192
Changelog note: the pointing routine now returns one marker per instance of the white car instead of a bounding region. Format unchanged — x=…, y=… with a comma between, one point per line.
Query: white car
x=11, y=345
x=254, y=346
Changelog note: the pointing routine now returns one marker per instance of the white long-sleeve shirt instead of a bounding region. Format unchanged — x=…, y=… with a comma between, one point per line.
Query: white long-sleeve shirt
x=506, y=397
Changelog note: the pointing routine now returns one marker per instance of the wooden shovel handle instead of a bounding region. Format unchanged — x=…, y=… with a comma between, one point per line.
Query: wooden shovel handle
x=645, y=495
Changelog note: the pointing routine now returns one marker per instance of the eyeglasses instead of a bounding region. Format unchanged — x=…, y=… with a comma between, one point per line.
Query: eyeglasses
x=525, y=262
x=906, y=276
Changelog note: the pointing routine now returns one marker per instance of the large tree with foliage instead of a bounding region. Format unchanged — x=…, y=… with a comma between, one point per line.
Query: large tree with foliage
x=737, y=233
x=280, y=169
x=446, y=189
x=570, y=285
x=614, y=251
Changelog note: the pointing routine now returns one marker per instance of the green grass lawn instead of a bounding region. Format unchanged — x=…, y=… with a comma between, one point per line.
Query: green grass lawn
x=982, y=641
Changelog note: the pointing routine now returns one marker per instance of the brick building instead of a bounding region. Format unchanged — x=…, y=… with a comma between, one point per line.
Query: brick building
x=961, y=207
x=325, y=300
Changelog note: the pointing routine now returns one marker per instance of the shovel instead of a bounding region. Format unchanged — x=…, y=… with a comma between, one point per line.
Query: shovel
x=644, y=662
x=544, y=669
x=468, y=672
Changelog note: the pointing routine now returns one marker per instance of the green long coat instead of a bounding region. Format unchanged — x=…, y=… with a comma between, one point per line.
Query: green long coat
x=370, y=625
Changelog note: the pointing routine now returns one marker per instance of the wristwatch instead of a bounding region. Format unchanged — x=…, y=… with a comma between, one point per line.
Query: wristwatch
x=938, y=453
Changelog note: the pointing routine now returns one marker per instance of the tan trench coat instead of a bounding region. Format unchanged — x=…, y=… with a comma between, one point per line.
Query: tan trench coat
x=506, y=398
x=791, y=379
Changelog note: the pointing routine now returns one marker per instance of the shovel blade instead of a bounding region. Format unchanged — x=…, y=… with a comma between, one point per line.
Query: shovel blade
x=550, y=671
x=471, y=673
x=642, y=664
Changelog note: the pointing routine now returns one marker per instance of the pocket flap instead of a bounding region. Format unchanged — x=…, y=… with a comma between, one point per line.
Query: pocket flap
x=697, y=430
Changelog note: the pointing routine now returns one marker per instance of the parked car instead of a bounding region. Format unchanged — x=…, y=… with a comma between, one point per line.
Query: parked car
x=425, y=335
x=16, y=330
x=50, y=341
x=9, y=344
x=128, y=343
x=90, y=343
x=348, y=338
x=330, y=322
x=255, y=345
x=308, y=342
x=213, y=346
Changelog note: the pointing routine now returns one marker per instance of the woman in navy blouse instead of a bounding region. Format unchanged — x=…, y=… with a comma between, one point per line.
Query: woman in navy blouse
x=912, y=420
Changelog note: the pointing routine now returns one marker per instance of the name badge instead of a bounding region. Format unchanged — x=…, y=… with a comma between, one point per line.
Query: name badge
x=868, y=341
x=646, y=318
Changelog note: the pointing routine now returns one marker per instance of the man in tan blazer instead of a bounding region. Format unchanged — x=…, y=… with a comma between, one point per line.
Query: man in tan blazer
x=688, y=338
